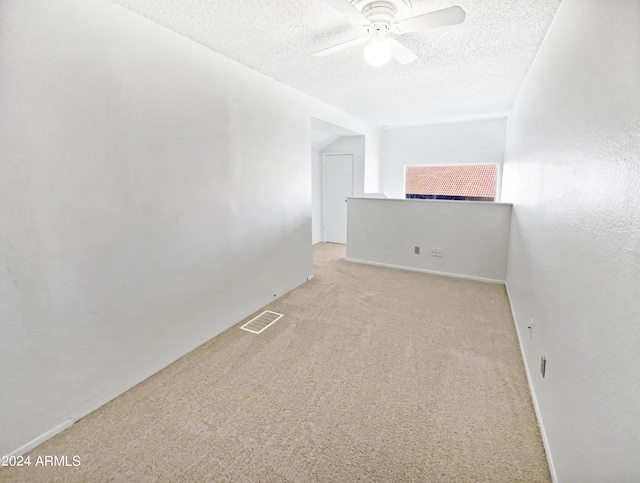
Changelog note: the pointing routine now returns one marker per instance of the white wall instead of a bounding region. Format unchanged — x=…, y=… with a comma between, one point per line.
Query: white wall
x=152, y=194
x=473, y=236
x=572, y=171
x=317, y=213
x=469, y=142
x=372, y=161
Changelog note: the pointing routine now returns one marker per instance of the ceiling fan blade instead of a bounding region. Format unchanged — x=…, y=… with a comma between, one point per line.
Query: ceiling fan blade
x=439, y=18
x=339, y=47
x=349, y=11
x=400, y=52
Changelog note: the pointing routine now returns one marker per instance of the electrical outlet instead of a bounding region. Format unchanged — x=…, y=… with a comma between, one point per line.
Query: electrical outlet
x=543, y=365
x=530, y=327
x=434, y=252
x=438, y=252
x=416, y=250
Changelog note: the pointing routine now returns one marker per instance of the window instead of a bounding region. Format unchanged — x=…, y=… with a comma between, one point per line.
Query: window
x=473, y=182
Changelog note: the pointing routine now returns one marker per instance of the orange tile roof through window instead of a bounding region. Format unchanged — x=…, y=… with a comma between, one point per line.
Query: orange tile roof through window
x=473, y=181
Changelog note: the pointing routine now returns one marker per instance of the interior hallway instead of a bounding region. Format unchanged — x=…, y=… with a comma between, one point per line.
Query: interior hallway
x=373, y=374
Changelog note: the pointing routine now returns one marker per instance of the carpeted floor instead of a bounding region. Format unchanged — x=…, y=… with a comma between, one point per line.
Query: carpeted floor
x=372, y=374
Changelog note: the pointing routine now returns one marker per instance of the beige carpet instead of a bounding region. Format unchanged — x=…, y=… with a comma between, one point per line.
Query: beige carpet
x=373, y=374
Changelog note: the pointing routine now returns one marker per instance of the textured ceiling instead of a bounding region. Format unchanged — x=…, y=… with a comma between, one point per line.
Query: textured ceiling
x=471, y=70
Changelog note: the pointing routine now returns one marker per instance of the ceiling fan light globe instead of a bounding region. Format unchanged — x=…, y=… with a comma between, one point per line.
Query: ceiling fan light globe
x=377, y=52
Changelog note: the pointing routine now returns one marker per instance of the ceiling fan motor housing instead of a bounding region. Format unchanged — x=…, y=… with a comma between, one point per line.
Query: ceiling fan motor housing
x=382, y=17
x=383, y=12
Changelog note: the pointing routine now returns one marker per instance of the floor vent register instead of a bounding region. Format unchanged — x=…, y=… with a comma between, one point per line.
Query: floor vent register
x=261, y=322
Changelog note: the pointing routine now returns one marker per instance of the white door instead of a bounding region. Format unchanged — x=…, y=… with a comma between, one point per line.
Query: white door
x=338, y=185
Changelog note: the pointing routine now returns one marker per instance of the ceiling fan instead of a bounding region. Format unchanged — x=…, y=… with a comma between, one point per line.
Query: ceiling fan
x=377, y=18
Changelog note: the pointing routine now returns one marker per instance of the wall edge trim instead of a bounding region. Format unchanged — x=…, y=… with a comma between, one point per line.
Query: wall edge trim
x=38, y=440
x=424, y=270
x=534, y=399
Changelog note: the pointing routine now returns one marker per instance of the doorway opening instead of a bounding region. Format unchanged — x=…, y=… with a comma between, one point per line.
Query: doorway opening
x=331, y=146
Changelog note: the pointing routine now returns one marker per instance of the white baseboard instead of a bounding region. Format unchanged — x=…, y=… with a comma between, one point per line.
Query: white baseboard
x=25, y=448
x=543, y=433
x=423, y=270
